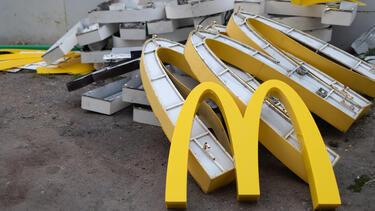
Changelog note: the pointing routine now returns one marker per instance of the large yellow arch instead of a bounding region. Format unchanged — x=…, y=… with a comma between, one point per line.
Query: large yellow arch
x=281, y=41
x=166, y=54
x=243, y=132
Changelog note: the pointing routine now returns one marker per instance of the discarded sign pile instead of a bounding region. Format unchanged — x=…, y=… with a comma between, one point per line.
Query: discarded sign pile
x=116, y=30
x=253, y=77
x=249, y=49
x=237, y=58
x=14, y=60
x=315, y=19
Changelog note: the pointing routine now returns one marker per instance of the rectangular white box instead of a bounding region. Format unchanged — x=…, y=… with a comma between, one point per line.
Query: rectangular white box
x=144, y=116
x=117, y=6
x=339, y=17
x=130, y=15
x=93, y=56
x=250, y=7
x=161, y=26
x=133, y=31
x=62, y=46
x=347, y=5
x=178, y=35
x=121, y=43
x=286, y=8
x=96, y=33
x=135, y=96
x=106, y=99
x=205, y=21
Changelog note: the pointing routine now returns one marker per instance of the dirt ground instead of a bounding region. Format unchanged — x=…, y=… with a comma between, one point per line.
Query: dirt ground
x=56, y=156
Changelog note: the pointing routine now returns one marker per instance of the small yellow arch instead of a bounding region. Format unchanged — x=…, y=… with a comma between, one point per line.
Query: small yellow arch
x=243, y=132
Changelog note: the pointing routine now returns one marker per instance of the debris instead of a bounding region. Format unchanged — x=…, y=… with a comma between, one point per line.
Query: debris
x=314, y=19
x=95, y=33
x=193, y=9
x=342, y=16
x=365, y=42
x=94, y=56
x=116, y=69
x=249, y=50
x=63, y=45
x=105, y=99
x=359, y=182
x=133, y=31
x=72, y=65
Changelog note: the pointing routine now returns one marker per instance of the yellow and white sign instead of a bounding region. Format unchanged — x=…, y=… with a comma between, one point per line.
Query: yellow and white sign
x=243, y=133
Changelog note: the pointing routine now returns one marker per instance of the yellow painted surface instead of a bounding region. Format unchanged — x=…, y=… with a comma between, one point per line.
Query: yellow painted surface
x=18, y=58
x=5, y=65
x=165, y=55
x=22, y=50
x=310, y=2
x=281, y=41
x=15, y=56
x=72, y=66
x=243, y=133
x=274, y=142
x=315, y=103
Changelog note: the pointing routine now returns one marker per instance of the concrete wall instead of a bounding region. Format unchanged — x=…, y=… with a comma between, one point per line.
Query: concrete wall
x=40, y=21
x=343, y=36
x=44, y=21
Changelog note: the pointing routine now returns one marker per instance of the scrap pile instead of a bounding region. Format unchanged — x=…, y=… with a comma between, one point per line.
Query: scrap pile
x=248, y=51
x=160, y=73
x=116, y=30
x=14, y=60
x=316, y=19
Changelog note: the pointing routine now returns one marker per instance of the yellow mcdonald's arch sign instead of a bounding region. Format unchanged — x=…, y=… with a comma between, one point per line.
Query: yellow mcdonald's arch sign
x=243, y=132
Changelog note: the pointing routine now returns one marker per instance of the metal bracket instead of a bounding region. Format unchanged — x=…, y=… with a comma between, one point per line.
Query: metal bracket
x=322, y=92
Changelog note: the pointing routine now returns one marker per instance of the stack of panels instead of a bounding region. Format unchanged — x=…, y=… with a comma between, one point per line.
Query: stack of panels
x=316, y=20
x=116, y=30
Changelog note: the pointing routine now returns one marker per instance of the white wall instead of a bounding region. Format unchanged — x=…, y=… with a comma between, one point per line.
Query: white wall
x=40, y=21
x=44, y=21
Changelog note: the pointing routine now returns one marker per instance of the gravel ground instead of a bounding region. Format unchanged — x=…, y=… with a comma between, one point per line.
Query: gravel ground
x=56, y=156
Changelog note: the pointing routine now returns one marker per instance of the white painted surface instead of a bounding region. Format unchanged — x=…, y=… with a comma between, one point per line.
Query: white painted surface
x=106, y=99
x=144, y=116
x=44, y=22
x=40, y=21
x=134, y=96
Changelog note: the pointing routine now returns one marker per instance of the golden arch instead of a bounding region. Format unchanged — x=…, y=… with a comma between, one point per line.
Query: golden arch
x=281, y=41
x=321, y=178
x=164, y=54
